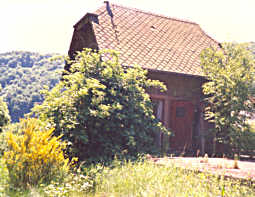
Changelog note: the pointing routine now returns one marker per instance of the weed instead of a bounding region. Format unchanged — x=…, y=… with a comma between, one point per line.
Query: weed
x=236, y=162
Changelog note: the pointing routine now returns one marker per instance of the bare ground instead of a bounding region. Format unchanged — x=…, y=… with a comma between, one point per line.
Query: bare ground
x=217, y=166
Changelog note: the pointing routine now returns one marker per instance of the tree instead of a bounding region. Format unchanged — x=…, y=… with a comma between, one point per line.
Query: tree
x=4, y=113
x=102, y=108
x=230, y=72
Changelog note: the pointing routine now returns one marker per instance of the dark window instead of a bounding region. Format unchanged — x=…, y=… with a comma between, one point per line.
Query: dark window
x=180, y=112
x=158, y=109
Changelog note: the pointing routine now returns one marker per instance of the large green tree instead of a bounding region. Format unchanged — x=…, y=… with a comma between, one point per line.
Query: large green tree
x=103, y=108
x=4, y=113
x=230, y=71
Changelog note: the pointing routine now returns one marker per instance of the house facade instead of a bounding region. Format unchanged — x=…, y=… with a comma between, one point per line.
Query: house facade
x=170, y=49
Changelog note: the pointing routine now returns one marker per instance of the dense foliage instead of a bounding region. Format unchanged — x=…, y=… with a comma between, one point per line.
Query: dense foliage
x=4, y=113
x=23, y=75
x=34, y=156
x=102, y=108
x=230, y=90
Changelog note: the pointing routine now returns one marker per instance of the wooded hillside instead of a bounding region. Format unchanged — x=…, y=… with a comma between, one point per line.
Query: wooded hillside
x=23, y=75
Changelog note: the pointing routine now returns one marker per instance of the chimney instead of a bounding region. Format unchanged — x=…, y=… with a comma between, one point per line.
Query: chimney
x=108, y=8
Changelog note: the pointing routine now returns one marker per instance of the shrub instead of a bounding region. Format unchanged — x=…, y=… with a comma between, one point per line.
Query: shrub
x=229, y=92
x=34, y=156
x=102, y=108
x=14, y=128
x=3, y=143
x=4, y=113
x=247, y=141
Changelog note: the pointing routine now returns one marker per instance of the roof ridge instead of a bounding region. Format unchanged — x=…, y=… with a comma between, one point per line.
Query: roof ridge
x=164, y=16
x=209, y=36
x=167, y=17
x=155, y=14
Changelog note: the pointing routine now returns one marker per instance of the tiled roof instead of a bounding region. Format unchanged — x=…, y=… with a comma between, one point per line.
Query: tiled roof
x=153, y=41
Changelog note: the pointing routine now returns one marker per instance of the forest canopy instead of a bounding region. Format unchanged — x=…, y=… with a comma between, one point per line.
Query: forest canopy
x=23, y=75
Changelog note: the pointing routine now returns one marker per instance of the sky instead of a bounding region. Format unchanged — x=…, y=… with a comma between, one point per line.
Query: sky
x=46, y=26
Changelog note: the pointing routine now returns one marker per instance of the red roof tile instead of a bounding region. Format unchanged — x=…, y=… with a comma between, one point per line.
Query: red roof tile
x=153, y=41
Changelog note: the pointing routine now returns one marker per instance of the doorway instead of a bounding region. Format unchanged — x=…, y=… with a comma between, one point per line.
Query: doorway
x=158, y=106
x=181, y=121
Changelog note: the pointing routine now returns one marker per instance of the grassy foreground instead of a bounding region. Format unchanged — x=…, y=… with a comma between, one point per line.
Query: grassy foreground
x=133, y=179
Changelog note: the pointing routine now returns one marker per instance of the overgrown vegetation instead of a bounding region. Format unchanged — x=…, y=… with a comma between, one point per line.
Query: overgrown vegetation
x=4, y=113
x=34, y=156
x=102, y=108
x=103, y=111
x=23, y=75
x=164, y=180
x=142, y=178
x=230, y=94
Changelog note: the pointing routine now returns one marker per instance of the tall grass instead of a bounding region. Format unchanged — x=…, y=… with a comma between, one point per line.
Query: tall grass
x=141, y=178
x=148, y=179
x=3, y=177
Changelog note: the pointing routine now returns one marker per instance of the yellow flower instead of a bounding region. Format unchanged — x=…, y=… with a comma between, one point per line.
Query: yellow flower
x=34, y=153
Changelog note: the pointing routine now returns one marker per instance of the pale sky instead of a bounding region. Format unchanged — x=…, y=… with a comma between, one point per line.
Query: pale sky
x=47, y=25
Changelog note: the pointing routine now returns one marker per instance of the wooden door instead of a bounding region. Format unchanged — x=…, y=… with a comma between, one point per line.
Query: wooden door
x=181, y=120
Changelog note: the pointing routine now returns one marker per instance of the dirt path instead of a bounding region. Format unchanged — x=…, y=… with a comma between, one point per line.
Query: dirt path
x=219, y=166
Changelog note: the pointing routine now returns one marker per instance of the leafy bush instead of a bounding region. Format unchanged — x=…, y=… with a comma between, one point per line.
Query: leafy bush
x=102, y=108
x=229, y=90
x=3, y=143
x=247, y=140
x=34, y=156
x=14, y=128
x=4, y=113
